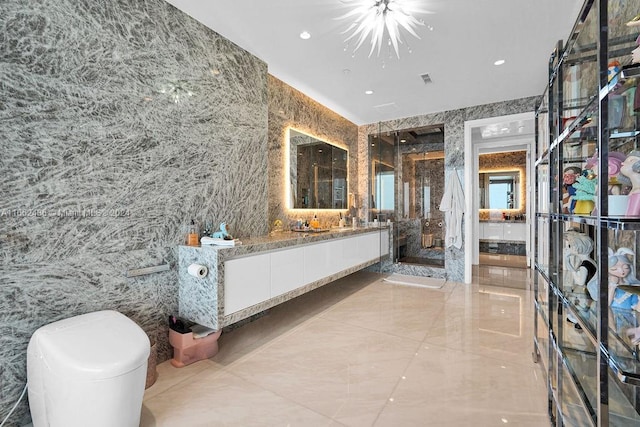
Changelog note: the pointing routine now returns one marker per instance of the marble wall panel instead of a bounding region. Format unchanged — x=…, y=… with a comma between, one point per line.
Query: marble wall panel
x=291, y=108
x=198, y=296
x=121, y=122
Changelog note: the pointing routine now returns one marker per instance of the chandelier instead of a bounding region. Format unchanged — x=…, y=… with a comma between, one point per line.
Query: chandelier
x=377, y=18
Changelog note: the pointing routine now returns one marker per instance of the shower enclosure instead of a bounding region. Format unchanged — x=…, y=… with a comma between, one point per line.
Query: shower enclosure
x=406, y=173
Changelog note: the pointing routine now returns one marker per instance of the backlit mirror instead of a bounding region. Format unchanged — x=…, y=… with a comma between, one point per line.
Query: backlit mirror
x=500, y=190
x=317, y=173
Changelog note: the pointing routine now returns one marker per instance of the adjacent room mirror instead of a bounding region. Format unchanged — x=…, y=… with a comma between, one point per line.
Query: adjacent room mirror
x=500, y=190
x=317, y=173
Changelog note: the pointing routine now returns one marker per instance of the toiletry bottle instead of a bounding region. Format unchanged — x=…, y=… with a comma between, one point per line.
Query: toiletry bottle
x=192, y=238
x=314, y=222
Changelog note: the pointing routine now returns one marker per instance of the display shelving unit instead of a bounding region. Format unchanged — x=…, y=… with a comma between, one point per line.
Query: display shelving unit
x=587, y=344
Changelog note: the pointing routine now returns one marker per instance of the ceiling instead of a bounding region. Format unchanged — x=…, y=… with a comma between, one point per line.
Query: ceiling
x=468, y=36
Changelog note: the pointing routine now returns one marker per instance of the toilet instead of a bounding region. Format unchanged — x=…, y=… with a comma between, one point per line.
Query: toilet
x=87, y=370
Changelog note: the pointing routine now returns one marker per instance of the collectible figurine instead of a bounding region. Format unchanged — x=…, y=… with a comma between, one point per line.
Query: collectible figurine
x=568, y=179
x=582, y=271
x=612, y=71
x=621, y=272
x=623, y=298
x=222, y=233
x=585, y=196
x=578, y=261
x=630, y=175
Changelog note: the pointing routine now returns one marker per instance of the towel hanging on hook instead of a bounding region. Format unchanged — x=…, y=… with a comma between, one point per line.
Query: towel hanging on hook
x=452, y=205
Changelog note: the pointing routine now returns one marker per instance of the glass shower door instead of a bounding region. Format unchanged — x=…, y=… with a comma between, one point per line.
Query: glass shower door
x=407, y=183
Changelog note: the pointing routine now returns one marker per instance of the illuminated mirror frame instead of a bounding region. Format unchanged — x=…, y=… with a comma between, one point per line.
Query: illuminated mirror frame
x=521, y=189
x=287, y=170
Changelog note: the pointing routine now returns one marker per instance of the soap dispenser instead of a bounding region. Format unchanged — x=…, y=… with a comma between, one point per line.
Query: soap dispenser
x=192, y=237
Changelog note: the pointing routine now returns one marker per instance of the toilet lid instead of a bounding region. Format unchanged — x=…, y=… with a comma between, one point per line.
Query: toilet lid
x=98, y=345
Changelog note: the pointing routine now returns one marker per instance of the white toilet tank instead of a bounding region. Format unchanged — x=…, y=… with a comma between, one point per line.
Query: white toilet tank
x=88, y=370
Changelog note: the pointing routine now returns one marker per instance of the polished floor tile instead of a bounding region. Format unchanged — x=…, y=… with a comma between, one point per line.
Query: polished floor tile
x=503, y=270
x=364, y=352
x=486, y=258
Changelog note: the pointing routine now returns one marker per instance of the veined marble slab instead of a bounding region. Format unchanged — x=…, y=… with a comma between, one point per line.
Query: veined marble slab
x=121, y=122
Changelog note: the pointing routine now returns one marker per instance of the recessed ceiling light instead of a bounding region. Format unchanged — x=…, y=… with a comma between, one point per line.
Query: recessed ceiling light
x=305, y=35
x=499, y=62
x=368, y=92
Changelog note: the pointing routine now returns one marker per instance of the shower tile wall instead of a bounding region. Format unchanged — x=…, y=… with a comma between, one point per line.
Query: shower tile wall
x=121, y=122
x=413, y=226
x=453, y=147
x=434, y=171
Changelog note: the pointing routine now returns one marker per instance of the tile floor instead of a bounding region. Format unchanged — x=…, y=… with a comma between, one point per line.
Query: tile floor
x=363, y=352
x=486, y=258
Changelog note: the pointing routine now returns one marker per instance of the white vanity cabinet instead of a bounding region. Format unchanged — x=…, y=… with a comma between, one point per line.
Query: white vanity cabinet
x=259, y=277
x=503, y=231
x=491, y=231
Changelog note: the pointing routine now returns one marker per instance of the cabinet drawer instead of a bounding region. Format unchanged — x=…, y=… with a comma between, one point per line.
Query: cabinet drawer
x=246, y=282
x=493, y=231
x=515, y=231
x=287, y=271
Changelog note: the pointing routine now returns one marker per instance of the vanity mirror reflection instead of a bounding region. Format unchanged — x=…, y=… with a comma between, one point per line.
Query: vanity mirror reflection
x=317, y=177
x=500, y=190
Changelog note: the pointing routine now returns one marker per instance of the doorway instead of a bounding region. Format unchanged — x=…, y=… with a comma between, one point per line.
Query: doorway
x=505, y=134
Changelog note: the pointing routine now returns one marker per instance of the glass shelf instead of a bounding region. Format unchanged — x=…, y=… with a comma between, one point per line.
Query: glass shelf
x=592, y=127
x=581, y=368
x=623, y=353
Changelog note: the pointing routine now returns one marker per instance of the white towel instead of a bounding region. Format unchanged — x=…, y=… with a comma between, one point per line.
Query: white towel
x=452, y=205
x=205, y=240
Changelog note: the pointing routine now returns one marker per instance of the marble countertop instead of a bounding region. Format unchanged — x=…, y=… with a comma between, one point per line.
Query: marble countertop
x=502, y=241
x=284, y=239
